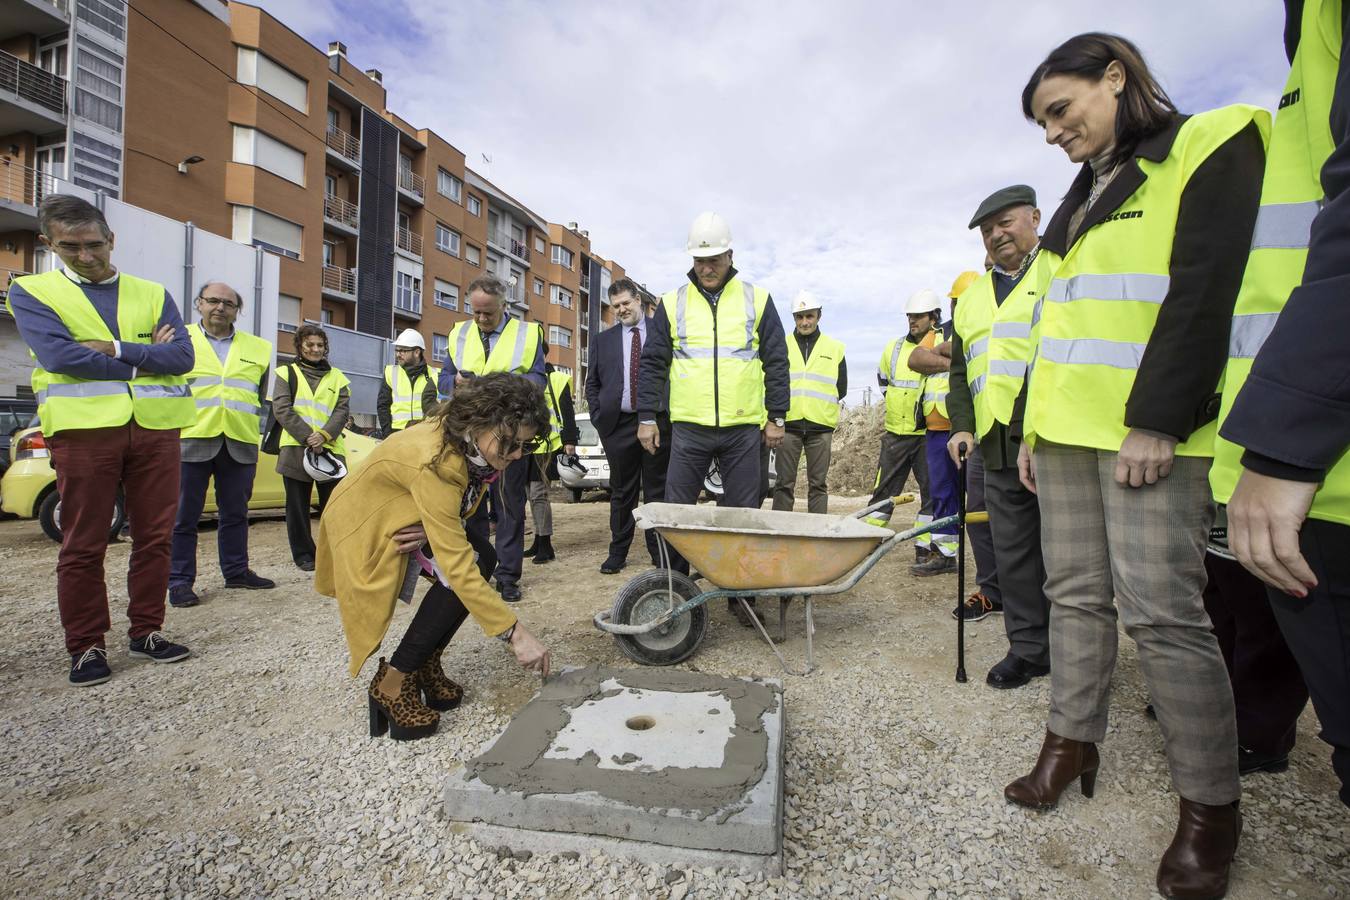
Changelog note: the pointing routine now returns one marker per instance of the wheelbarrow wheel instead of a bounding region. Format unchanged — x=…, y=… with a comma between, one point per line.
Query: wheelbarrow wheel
x=646, y=597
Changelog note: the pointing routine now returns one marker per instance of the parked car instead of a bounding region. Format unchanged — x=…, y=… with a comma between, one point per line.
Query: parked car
x=15, y=416
x=28, y=487
x=592, y=456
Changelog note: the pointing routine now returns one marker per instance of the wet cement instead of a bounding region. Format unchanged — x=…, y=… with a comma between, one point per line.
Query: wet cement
x=516, y=762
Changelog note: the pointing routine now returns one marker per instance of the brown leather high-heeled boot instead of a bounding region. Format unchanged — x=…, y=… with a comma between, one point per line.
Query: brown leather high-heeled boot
x=1197, y=862
x=441, y=693
x=404, y=717
x=1061, y=761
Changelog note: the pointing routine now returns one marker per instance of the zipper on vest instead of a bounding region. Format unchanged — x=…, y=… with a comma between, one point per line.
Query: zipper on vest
x=717, y=352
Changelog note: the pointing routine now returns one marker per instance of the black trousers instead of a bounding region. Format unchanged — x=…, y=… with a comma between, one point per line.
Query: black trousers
x=633, y=470
x=508, y=496
x=434, y=624
x=1015, y=523
x=737, y=451
x=298, y=494
x=1318, y=631
x=1268, y=688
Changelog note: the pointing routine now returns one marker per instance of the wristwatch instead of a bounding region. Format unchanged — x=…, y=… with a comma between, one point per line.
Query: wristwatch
x=779, y=422
x=505, y=636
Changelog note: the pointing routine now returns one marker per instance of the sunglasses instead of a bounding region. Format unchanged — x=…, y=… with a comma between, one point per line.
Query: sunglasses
x=506, y=446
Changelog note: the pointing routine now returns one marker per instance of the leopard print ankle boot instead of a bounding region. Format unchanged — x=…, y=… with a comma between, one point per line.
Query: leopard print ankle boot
x=404, y=717
x=441, y=693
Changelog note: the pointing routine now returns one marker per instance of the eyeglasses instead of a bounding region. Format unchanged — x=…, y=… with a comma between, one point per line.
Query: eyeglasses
x=72, y=248
x=527, y=447
x=220, y=301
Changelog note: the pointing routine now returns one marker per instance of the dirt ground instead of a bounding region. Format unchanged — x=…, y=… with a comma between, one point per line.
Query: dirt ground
x=247, y=770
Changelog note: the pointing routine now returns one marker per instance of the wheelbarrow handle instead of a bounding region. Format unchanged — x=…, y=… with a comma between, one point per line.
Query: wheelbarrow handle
x=898, y=500
x=977, y=517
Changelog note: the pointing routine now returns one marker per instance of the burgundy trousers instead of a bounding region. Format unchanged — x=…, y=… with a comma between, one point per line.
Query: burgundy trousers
x=91, y=464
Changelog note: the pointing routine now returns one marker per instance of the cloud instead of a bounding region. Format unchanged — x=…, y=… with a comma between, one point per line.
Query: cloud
x=847, y=143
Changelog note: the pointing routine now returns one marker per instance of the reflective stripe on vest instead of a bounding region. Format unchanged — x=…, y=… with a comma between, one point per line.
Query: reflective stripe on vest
x=406, y=405
x=316, y=406
x=514, y=350
x=902, y=391
x=716, y=376
x=814, y=383
x=996, y=339
x=226, y=395
x=158, y=402
x=1291, y=195
x=1102, y=304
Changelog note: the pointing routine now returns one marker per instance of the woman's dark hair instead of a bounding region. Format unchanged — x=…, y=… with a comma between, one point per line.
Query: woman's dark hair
x=308, y=330
x=1145, y=109
x=500, y=401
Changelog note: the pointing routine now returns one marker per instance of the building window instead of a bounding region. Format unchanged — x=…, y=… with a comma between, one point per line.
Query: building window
x=560, y=296
x=446, y=294
x=562, y=256
x=472, y=255
x=264, y=73
x=408, y=294
x=110, y=18
x=539, y=243
x=95, y=164
x=98, y=86
x=440, y=347
x=559, y=336
x=448, y=185
x=566, y=370
x=333, y=120
x=539, y=287
x=255, y=148
x=325, y=316
x=447, y=240
x=288, y=312
x=475, y=206
x=262, y=229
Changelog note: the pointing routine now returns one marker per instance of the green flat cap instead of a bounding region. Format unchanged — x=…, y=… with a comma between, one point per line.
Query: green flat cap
x=1017, y=195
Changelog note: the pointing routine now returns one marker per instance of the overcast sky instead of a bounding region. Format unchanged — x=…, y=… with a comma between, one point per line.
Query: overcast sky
x=846, y=142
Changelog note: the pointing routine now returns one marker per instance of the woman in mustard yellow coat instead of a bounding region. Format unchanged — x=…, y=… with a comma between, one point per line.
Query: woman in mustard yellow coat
x=414, y=490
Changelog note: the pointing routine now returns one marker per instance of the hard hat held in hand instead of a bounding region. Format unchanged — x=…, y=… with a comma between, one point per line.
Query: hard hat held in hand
x=710, y=235
x=963, y=281
x=805, y=301
x=411, y=337
x=322, y=465
x=920, y=302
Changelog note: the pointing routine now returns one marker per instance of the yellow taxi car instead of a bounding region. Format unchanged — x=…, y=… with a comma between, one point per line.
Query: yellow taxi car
x=28, y=487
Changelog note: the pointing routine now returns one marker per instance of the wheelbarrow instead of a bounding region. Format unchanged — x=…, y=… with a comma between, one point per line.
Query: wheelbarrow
x=660, y=617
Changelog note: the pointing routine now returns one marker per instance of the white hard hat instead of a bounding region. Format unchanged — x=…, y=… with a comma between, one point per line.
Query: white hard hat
x=924, y=301
x=710, y=235
x=804, y=301
x=322, y=465
x=411, y=337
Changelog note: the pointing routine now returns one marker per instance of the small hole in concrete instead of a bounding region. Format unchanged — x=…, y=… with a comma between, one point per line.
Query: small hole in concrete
x=640, y=723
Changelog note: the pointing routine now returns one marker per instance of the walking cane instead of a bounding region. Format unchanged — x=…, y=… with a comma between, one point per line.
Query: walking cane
x=961, y=564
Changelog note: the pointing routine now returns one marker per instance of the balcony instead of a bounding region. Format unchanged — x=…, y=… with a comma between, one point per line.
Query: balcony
x=31, y=99
x=21, y=190
x=507, y=244
x=582, y=356
x=409, y=242
x=586, y=281
x=25, y=17
x=343, y=149
x=412, y=185
x=341, y=214
x=338, y=283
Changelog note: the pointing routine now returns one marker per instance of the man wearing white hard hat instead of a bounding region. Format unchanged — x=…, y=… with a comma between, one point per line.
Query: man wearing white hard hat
x=902, y=444
x=716, y=349
x=818, y=379
x=408, y=392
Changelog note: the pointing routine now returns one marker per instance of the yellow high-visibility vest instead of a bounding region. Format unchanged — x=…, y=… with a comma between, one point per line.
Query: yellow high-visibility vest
x=716, y=376
x=316, y=406
x=996, y=340
x=557, y=383
x=903, y=387
x=406, y=407
x=1100, y=309
x=227, y=395
x=514, y=351
x=66, y=403
x=814, y=382
x=1291, y=195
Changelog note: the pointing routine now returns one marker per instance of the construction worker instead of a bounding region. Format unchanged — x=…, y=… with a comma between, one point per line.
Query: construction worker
x=408, y=392
x=1282, y=464
x=902, y=445
x=563, y=436
x=929, y=360
x=1153, y=236
x=819, y=380
x=492, y=341
x=990, y=354
x=111, y=354
x=228, y=380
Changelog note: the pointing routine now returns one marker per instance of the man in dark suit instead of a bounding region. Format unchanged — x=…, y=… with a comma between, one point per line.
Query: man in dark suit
x=611, y=396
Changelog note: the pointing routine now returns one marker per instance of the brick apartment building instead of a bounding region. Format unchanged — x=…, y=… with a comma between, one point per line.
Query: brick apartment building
x=218, y=114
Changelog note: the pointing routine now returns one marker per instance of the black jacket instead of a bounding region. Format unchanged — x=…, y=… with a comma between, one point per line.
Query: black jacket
x=1293, y=414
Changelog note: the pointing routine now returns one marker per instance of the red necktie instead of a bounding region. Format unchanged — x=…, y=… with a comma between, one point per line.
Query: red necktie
x=634, y=355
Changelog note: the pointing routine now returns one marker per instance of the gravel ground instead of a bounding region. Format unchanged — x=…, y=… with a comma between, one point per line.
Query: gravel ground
x=247, y=770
